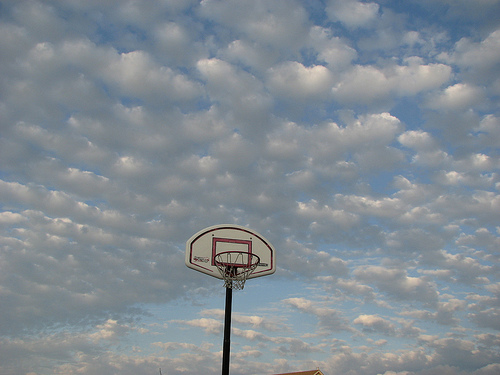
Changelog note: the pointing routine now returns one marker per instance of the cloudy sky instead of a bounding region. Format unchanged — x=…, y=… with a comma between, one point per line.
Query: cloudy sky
x=360, y=137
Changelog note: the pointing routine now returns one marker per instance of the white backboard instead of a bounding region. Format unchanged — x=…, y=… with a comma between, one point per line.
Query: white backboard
x=203, y=246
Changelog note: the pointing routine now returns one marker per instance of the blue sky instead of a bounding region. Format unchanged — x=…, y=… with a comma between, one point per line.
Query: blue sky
x=360, y=138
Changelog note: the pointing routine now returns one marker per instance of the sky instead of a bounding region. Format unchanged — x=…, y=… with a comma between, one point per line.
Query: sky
x=361, y=138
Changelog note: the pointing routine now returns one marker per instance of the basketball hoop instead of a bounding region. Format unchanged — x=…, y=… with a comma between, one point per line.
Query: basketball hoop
x=233, y=253
x=235, y=267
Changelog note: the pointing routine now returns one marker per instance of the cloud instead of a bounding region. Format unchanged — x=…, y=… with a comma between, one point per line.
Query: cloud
x=368, y=84
x=267, y=23
x=301, y=260
x=290, y=347
x=171, y=39
x=267, y=323
x=249, y=54
x=419, y=140
x=329, y=320
x=352, y=14
x=445, y=313
x=375, y=323
x=360, y=137
x=488, y=130
x=331, y=49
x=372, y=207
x=326, y=215
x=458, y=96
x=296, y=81
x=330, y=142
x=236, y=90
x=397, y=284
x=136, y=75
x=456, y=352
x=477, y=57
x=211, y=326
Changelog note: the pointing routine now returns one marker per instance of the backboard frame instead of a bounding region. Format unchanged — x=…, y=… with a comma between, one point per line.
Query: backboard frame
x=203, y=246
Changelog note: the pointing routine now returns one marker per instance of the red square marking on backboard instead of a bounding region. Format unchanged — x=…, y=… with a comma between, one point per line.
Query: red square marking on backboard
x=216, y=240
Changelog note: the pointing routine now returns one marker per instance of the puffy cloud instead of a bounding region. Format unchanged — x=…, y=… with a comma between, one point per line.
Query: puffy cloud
x=267, y=323
x=417, y=139
x=478, y=58
x=376, y=323
x=352, y=13
x=133, y=74
x=249, y=54
x=211, y=326
x=238, y=91
x=428, y=151
x=457, y=97
x=360, y=141
x=294, y=80
x=488, y=130
x=137, y=75
x=172, y=39
x=446, y=311
x=289, y=347
x=362, y=83
x=331, y=49
x=397, y=284
x=325, y=215
x=224, y=79
x=416, y=77
x=457, y=352
x=367, y=84
x=371, y=207
x=8, y=217
x=272, y=23
x=329, y=320
x=329, y=144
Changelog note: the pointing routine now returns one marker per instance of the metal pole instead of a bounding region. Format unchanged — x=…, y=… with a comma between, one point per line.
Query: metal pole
x=226, y=348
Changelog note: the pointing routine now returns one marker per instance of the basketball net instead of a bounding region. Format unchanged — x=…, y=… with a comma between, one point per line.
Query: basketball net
x=235, y=267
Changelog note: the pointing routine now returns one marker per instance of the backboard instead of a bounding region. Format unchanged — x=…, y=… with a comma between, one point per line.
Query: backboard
x=204, y=246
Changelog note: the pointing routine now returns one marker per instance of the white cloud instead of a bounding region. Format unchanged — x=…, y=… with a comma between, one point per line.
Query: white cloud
x=365, y=137
x=237, y=91
x=418, y=140
x=428, y=151
x=397, y=284
x=481, y=55
x=353, y=287
x=371, y=207
x=376, y=323
x=211, y=326
x=267, y=323
x=224, y=79
x=172, y=39
x=360, y=140
x=331, y=49
x=457, y=97
x=250, y=54
x=329, y=320
x=294, y=80
x=8, y=217
x=301, y=260
x=325, y=215
x=369, y=84
x=362, y=83
x=269, y=23
x=136, y=75
x=464, y=269
x=352, y=13
x=416, y=77
x=489, y=130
